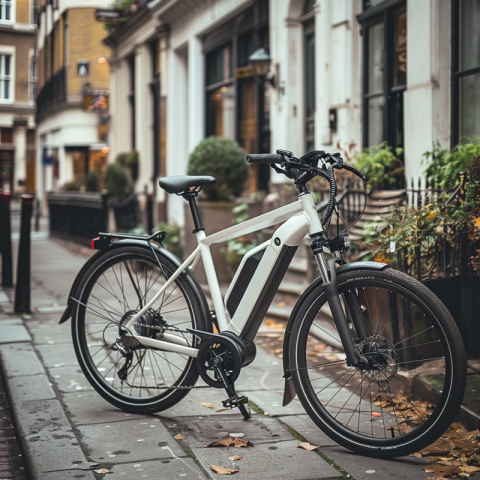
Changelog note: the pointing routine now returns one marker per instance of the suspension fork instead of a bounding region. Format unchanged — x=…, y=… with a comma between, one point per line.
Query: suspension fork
x=328, y=272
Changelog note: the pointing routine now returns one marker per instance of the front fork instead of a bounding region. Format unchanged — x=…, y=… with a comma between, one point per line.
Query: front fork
x=328, y=272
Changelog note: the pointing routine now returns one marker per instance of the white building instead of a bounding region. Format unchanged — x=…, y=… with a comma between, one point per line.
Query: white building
x=344, y=74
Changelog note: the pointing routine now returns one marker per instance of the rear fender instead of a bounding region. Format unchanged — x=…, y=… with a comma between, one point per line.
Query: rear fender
x=289, y=391
x=161, y=252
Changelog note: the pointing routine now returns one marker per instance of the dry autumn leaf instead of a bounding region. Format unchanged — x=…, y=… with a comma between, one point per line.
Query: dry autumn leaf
x=179, y=437
x=235, y=457
x=376, y=414
x=441, y=471
x=102, y=470
x=207, y=405
x=307, y=446
x=468, y=469
x=228, y=442
x=223, y=470
x=222, y=410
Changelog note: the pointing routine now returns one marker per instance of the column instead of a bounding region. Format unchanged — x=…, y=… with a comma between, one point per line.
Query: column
x=20, y=158
x=196, y=94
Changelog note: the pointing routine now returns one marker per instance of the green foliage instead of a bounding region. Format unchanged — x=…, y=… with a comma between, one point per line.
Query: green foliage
x=172, y=240
x=381, y=166
x=238, y=247
x=223, y=159
x=138, y=230
x=92, y=181
x=129, y=160
x=116, y=181
x=73, y=186
x=444, y=167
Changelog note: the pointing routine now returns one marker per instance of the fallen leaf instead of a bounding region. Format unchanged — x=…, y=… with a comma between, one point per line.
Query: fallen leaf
x=463, y=474
x=235, y=457
x=102, y=470
x=223, y=470
x=440, y=471
x=207, y=405
x=179, y=437
x=307, y=446
x=468, y=469
x=222, y=410
x=227, y=442
x=376, y=414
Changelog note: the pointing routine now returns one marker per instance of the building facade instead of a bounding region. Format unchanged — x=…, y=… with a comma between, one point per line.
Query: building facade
x=344, y=75
x=73, y=93
x=18, y=85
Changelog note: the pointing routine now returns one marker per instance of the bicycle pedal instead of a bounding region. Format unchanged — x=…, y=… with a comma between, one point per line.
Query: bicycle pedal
x=235, y=401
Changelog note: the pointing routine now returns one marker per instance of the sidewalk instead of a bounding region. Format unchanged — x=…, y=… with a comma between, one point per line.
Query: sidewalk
x=67, y=430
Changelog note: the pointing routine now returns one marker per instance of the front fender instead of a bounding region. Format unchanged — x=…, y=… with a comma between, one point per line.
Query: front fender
x=161, y=252
x=289, y=392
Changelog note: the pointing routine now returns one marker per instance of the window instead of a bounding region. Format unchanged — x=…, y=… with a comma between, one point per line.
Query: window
x=385, y=71
x=6, y=83
x=131, y=97
x=6, y=11
x=82, y=66
x=33, y=79
x=33, y=11
x=309, y=60
x=466, y=69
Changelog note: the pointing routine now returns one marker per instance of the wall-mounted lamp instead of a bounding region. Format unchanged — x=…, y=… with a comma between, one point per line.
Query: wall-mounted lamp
x=260, y=63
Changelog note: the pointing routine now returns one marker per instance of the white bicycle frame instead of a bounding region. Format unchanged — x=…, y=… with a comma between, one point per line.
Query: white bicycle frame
x=300, y=218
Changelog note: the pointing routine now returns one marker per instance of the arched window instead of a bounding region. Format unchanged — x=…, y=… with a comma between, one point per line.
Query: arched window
x=309, y=39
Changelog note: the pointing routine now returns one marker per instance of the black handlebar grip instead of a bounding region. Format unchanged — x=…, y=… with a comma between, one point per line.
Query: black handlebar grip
x=264, y=158
x=353, y=170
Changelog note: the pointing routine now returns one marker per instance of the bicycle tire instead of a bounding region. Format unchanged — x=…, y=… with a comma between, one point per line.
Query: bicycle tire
x=104, y=385
x=441, y=331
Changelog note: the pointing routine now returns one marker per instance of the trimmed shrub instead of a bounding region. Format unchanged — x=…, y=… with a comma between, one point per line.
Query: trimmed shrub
x=223, y=159
x=92, y=181
x=116, y=181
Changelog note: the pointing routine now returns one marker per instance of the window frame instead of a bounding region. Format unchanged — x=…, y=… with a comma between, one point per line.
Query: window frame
x=32, y=80
x=386, y=13
x=457, y=74
x=3, y=4
x=9, y=50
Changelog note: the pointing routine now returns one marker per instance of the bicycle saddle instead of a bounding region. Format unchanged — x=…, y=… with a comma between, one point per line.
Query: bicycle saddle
x=182, y=183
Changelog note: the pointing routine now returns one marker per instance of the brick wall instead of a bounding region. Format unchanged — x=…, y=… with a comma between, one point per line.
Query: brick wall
x=58, y=46
x=85, y=43
x=22, y=14
x=23, y=43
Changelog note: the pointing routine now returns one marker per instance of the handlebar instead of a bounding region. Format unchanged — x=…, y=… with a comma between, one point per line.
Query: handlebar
x=264, y=158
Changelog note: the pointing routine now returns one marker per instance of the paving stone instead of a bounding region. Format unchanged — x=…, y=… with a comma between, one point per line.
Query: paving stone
x=130, y=441
x=42, y=416
x=69, y=379
x=19, y=360
x=308, y=429
x=7, y=322
x=86, y=408
x=53, y=452
x=58, y=356
x=271, y=402
x=14, y=333
x=67, y=474
x=51, y=336
x=260, y=378
x=28, y=388
x=283, y=460
x=358, y=465
x=52, y=309
x=259, y=430
x=265, y=359
x=191, y=404
x=168, y=468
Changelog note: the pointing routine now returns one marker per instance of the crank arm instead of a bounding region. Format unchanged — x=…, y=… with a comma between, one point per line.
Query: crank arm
x=333, y=299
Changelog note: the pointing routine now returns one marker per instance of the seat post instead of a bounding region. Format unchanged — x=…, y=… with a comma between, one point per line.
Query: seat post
x=194, y=209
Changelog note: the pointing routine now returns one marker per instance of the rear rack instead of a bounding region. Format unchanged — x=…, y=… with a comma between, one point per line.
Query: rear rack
x=104, y=240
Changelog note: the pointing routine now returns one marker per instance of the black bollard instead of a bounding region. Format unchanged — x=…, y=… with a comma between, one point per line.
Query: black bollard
x=150, y=213
x=7, y=269
x=22, y=288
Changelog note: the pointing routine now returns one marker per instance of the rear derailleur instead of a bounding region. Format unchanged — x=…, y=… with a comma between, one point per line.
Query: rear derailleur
x=219, y=362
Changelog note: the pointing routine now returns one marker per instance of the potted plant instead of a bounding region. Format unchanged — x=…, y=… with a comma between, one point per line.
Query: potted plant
x=225, y=160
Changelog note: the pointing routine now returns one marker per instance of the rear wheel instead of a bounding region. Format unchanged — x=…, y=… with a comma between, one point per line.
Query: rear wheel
x=412, y=384
x=116, y=286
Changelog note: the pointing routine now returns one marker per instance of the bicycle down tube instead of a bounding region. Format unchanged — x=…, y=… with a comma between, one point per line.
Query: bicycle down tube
x=300, y=218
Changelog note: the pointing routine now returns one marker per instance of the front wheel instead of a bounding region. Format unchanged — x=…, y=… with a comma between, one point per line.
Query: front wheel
x=412, y=380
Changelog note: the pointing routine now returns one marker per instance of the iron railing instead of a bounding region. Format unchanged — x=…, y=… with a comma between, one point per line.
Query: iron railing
x=53, y=92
